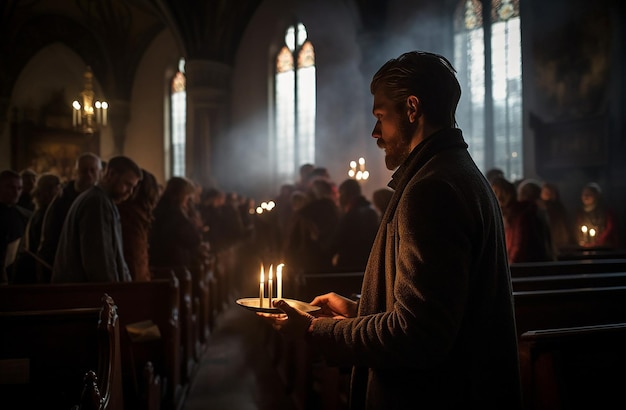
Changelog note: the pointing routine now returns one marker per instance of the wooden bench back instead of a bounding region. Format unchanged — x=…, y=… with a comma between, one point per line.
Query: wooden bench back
x=557, y=308
x=568, y=267
x=46, y=355
x=574, y=368
x=157, y=300
x=580, y=280
x=187, y=317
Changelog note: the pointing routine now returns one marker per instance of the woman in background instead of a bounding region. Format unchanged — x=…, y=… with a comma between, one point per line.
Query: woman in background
x=595, y=221
x=526, y=230
x=174, y=238
x=136, y=219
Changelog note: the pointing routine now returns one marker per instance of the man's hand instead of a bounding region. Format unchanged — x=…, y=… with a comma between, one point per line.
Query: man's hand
x=335, y=306
x=293, y=323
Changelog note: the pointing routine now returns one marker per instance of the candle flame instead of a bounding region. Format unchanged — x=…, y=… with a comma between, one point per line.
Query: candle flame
x=262, y=274
x=583, y=228
x=271, y=267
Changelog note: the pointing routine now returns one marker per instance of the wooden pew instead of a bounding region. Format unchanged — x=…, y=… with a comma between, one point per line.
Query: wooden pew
x=568, y=267
x=187, y=318
x=598, y=252
x=574, y=368
x=557, y=308
x=156, y=301
x=570, y=281
x=45, y=354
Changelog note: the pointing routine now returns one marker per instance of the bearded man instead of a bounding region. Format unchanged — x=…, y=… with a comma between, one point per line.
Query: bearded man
x=90, y=246
x=435, y=326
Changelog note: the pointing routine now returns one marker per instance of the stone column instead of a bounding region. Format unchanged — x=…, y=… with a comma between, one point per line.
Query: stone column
x=118, y=117
x=208, y=87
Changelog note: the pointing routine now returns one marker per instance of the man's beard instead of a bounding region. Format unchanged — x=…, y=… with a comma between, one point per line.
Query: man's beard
x=397, y=153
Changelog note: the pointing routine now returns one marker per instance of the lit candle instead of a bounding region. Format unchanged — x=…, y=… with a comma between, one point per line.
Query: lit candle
x=279, y=281
x=98, y=112
x=76, y=115
x=262, y=288
x=583, y=228
x=105, y=108
x=269, y=284
x=592, y=232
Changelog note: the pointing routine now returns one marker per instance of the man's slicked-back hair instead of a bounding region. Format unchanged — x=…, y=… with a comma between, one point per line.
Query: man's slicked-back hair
x=428, y=76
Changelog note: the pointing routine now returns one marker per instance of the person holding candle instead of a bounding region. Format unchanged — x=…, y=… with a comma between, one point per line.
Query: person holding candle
x=435, y=325
x=595, y=214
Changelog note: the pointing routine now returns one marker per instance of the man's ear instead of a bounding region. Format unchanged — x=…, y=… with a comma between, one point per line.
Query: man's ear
x=413, y=108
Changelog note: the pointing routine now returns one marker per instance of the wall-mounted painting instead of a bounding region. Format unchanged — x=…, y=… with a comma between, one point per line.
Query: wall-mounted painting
x=53, y=150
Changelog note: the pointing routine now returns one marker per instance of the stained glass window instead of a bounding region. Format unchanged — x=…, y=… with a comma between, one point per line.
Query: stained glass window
x=178, y=121
x=490, y=110
x=295, y=90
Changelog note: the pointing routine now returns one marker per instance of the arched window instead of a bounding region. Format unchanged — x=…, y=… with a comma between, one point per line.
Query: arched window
x=178, y=116
x=294, y=104
x=487, y=54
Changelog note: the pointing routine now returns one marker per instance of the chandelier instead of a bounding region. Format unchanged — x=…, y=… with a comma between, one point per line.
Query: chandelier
x=360, y=173
x=88, y=115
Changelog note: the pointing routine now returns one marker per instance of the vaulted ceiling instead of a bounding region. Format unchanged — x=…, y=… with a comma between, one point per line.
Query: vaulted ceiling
x=112, y=35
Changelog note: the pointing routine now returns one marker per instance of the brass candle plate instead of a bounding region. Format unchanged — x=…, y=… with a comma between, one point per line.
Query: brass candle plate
x=253, y=304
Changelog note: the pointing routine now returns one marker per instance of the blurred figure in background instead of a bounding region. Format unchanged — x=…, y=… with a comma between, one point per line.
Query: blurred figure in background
x=174, y=238
x=136, y=218
x=12, y=221
x=595, y=221
x=526, y=230
x=357, y=229
x=308, y=243
x=381, y=198
x=87, y=170
x=27, y=269
x=494, y=173
x=558, y=218
x=29, y=179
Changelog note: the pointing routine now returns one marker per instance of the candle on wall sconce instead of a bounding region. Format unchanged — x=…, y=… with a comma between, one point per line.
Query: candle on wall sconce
x=105, y=110
x=279, y=281
x=360, y=173
x=261, y=288
x=269, y=284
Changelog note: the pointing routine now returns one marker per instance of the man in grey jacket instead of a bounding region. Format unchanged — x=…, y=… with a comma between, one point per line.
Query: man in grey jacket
x=435, y=325
x=90, y=245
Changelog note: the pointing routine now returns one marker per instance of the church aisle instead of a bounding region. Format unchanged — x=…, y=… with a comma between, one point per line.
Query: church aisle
x=235, y=372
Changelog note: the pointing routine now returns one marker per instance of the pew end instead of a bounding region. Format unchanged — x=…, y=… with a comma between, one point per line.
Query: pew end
x=574, y=368
x=52, y=355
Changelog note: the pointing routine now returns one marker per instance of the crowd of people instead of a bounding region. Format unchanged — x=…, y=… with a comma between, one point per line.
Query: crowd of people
x=320, y=226
x=113, y=221
x=316, y=225
x=538, y=225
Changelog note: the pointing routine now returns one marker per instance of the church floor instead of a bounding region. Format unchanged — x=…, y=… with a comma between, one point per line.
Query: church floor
x=236, y=372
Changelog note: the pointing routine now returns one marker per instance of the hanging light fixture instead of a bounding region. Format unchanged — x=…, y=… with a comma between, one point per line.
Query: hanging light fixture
x=360, y=173
x=88, y=115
